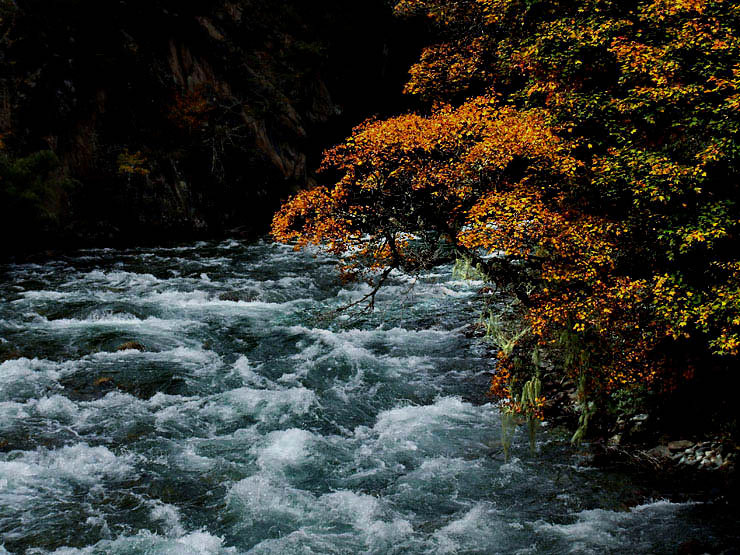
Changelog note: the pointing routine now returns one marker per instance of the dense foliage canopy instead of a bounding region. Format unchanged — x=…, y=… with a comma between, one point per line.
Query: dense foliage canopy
x=584, y=154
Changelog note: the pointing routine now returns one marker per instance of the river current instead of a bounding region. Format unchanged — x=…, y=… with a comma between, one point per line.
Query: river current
x=249, y=417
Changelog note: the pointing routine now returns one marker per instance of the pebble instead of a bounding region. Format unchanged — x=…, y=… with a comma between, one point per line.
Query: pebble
x=706, y=454
x=681, y=445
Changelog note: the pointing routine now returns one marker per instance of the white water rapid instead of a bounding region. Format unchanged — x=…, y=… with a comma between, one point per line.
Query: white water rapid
x=251, y=419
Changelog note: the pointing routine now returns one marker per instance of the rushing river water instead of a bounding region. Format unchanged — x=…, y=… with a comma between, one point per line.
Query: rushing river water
x=257, y=421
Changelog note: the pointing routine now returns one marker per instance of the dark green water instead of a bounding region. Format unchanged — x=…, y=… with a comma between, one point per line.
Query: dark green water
x=255, y=423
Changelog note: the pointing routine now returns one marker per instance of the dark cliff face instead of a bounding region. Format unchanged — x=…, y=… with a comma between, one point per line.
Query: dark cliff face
x=183, y=118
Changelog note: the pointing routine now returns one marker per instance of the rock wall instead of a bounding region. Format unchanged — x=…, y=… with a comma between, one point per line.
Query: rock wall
x=187, y=118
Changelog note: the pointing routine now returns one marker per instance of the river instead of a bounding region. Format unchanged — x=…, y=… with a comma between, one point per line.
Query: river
x=252, y=418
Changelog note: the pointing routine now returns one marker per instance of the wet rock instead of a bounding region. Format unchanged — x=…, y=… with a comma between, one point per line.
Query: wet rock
x=239, y=296
x=680, y=445
x=707, y=455
x=638, y=423
x=659, y=452
x=131, y=346
x=10, y=355
x=241, y=232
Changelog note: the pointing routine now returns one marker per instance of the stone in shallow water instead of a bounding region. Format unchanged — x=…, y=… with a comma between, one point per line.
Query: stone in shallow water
x=131, y=346
x=661, y=451
x=679, y=445
x=246, y=296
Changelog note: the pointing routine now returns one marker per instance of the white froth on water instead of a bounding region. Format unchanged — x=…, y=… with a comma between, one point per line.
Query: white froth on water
x=188, y=459
x=359, y=522
x=79, y=463
x=323, y=350
x=262, y=498
x=200, y=543
x=243, y=368
x=27, y=378
x=598, y=530
x=32, y=482
x=107, y=319
x=412, y=424
x=119, y=279
x=194, y=543
x=57, y=407
x=45, y=295
x=436, y=472
x=265, y=405
x=478, y=526
x=169, y=518
x=204, y=301
x=180, y=354
x=285, y=448
x=11, y=413
x=378, y=527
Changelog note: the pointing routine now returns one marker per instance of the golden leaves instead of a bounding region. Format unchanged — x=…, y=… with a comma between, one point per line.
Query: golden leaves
x=602, y=170
x=132, y=163
x=448, y=69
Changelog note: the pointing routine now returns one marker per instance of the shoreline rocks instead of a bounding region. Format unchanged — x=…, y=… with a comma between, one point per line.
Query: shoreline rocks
x=710, y=455
x=714, y=454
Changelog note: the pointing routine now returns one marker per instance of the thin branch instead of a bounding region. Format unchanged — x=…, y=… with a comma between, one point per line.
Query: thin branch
x=371, y=295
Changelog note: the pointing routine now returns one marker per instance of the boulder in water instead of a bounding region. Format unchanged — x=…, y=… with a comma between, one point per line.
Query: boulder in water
x=103, y=381
x=131, y=346
x=10, y=355
x=680, y=445
x=246, y=296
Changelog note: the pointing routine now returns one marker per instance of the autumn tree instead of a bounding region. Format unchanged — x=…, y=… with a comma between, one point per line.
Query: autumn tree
x=584, y=154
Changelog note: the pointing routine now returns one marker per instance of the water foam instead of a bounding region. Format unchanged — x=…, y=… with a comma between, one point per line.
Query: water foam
x=596, y=530
x=80, y=463
x=265, y=405
x=25, y=378
x=477, y=527
x=169, y=518
x=285, y=448
x=194, y=543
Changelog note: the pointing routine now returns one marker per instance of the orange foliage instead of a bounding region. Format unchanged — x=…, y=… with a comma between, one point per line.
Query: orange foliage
x=599, y=173
x=399, y=175
x=191, y=108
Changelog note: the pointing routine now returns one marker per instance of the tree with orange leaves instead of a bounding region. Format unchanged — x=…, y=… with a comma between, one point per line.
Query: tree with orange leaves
x=585, y=155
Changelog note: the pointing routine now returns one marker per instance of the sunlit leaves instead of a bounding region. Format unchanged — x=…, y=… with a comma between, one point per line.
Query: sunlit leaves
x=604, y=171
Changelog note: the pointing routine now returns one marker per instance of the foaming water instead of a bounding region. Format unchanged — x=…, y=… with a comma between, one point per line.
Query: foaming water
x=208, y=399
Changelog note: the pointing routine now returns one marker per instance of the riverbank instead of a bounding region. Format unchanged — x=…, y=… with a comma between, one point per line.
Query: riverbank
x=704, y=461
x=662, y=441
